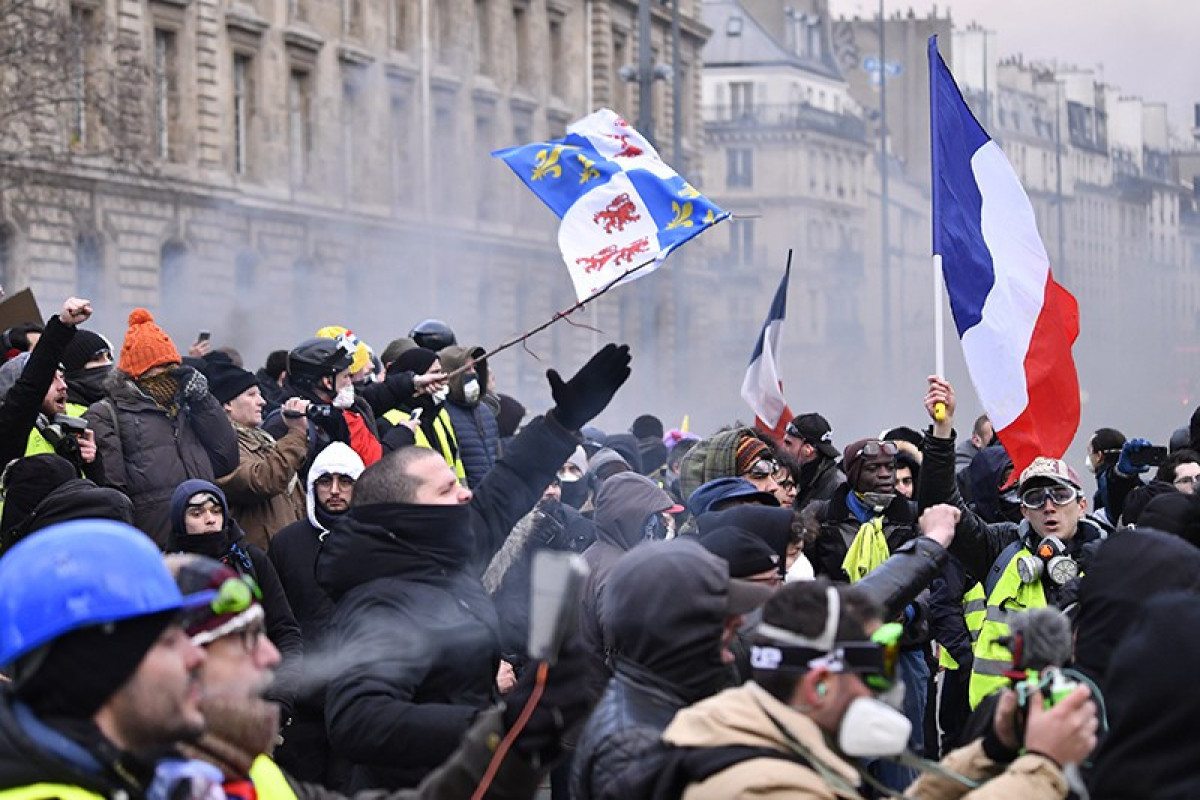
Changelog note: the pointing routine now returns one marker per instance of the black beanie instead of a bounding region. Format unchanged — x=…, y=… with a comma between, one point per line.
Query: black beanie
x=415, y=360
x=1140, y=497
x=510, y=415
x=84, y=345
x=85, y=667
x=745, y=553
x=226, y=380
x=647, y=425
x=1173, y=512
x=27, y=483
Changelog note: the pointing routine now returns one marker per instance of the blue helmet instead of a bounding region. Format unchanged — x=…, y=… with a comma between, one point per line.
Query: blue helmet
x=81, y=573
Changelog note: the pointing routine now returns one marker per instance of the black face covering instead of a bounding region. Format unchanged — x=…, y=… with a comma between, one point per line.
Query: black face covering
x=326, y=517
x=86, y=386
x=212, y=545
x=574, y=493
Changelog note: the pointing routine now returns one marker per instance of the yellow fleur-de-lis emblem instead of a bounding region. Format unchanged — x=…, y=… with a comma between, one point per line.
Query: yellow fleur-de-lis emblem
x=589, y=169
x=688, y=192
x=682, y=216
x=709, y=218
x=547, y=163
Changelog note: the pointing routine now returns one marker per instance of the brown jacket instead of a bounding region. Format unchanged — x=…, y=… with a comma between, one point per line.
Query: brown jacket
x=264, y=492
x=743, y=716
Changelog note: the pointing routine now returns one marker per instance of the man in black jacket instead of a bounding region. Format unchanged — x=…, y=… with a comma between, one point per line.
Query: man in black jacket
x=809, y=439
x=403, y=568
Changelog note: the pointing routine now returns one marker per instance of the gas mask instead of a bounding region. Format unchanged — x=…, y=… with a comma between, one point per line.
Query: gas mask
x=871, y=728
x=878, y=501
x=1050, y=559
x=344, y=398
x=659, y=527
x=471, y=390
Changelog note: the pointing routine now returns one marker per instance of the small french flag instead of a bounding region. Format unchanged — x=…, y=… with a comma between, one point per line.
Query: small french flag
x=762, y=388
x=1017, y=325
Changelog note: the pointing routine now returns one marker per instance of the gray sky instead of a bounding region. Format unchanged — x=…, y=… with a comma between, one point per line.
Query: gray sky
x=1146, y=48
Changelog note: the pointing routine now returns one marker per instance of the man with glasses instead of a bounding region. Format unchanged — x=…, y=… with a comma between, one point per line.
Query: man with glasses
x=1030, y=565
x=809, y=439
x=815, y=709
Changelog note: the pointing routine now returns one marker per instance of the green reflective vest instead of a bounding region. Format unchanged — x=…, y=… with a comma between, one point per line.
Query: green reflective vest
x=447, y=444
x=269, y=781
x=974, y=607
x=1010, y=595
x=37, y=443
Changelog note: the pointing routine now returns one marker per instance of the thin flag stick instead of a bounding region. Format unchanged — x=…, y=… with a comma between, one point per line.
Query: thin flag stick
x=939, y=320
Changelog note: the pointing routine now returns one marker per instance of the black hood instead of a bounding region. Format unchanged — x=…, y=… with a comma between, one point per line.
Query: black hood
x=1127, y=569
x=1152, y=748
x=985, y=472
x=626, y=445
x=664, y=612
x=397, y=540
x=623, y=504
x=78, y=498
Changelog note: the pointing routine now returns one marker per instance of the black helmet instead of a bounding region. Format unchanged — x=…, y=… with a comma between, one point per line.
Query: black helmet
x=317, y=358
x=432, y=334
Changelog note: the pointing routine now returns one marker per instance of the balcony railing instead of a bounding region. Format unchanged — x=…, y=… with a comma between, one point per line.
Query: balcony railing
x=798, y=116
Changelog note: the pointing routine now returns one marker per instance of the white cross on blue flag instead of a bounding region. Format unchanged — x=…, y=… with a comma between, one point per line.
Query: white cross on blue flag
x=621, y=206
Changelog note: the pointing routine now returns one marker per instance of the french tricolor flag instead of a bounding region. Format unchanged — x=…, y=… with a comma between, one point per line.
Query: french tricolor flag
x=1016, y=324
x=762, y=388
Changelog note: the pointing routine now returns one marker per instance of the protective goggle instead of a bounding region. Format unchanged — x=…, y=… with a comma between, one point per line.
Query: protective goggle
x=235, y=595
x=763, y=468
x=871, y=449
x=1059, y=495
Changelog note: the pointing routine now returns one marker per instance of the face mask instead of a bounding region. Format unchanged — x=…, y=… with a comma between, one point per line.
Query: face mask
x=574, y=493
x=878, y=501
x=344, y=398
x=871, y=728
x=440, y=395
x=1091, y=467
x=471, y=391
x=89, y=383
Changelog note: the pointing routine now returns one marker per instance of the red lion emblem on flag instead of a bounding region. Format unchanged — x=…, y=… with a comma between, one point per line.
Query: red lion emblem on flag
x=627, y=150
x=617, y=214
x=617, y=255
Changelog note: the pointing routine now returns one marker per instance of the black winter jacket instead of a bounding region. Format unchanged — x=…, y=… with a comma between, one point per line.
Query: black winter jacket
x=19, y=408
x=321, y=430
x=838, y=527
x=819, y=479
x=147, y=453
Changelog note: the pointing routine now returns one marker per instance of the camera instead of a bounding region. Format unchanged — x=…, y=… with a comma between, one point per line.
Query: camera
x=1148, y=456
x=314, y=411
x=62, y=433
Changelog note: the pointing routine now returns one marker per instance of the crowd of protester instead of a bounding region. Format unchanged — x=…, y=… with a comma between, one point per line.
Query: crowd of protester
x=316, y=580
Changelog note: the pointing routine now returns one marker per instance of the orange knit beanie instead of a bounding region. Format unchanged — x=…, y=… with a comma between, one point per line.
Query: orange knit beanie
x=146, y=345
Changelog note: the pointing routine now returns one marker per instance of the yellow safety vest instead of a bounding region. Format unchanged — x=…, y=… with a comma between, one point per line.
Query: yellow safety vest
x=37, y=443
x=974, y=608
x=448, y=444
x=48, y=791
x=1010, y=595
x=269, y=781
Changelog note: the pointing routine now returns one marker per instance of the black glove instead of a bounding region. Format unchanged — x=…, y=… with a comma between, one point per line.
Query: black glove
x=192, y=383
x=579, y=400
x=564, y=704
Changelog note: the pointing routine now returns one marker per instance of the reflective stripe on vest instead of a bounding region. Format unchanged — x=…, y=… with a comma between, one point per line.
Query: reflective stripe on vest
x=269, y=781
x=974, y=608
x=47, y=791
x=1009, y=596
x=445, y=431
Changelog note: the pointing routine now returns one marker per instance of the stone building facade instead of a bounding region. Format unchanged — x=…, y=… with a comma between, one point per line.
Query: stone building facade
x=261, y=168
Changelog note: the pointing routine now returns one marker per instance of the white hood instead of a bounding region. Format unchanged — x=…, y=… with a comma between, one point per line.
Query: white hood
x=335, y=459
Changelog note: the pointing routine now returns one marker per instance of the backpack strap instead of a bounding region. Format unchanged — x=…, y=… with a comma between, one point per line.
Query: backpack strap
x=999, y=565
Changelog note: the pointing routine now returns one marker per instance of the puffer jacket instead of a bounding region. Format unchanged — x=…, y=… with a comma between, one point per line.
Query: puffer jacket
x=475, y=425
x=749, y=716
x=147, y=452
x=819, y=479
x=839, y=526
x=264, y=491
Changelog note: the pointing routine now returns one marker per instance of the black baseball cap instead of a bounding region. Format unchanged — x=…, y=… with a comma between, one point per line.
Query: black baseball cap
x=814, y=429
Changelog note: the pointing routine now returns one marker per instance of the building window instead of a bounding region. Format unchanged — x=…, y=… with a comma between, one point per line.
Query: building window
x=166, y=95
x=741, y=234
x=620, y=89
x=82, y=38
x=446, y=153
x=300, y=133
x=297, y=10
x=352, y=19
x=441, y=27
x=8, y=258
x=89, y=268
x=558, y=67
x=483, y=39
x=739, y=167
x=350, y=133
x=485, y=199
x=401, y=19
x=173, y=259
x=243, y=111
x=522, y=55
x=403, y=164
x=741, y=100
